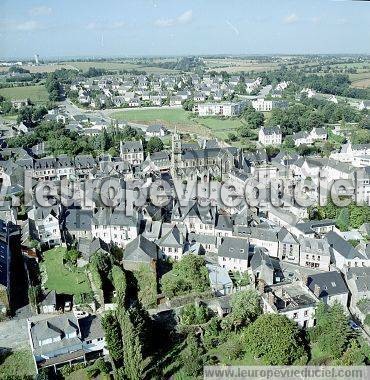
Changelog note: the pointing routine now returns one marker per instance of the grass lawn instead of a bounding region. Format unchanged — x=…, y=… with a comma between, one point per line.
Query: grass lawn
x=318, y=357
x=62, y=279
x=37, y=94
x=17, y=364
x=184, y=121
x=82, y=374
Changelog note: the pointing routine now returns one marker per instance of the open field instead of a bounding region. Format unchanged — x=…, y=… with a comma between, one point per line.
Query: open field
x=16, y=364
x=37, y=94
x=108, y=65
x=183, y=121
x=233, y=65
x=360, y=80
x=61, y=278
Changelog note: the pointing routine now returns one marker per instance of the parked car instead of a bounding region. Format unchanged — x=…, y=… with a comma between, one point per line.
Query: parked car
x=354, y=325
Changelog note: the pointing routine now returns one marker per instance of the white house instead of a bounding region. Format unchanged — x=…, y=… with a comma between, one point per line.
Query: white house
x=270, y=136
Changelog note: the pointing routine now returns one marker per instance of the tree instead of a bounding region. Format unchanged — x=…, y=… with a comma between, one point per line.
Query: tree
x=192, y=356
x=354, y=355
x=194, y=315
x=155, y=144
x=34, y=295
x=253, y=118
x=120, y=284
x=132, y=348
x=275, y=339
x=188, y=104
x=246, y=307
x=188, y=275
x=332, y=329
x=71, y=256
x=113, y=337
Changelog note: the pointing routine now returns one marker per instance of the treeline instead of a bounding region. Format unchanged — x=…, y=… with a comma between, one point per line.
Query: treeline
x=60, y=140
x=336, y=84
x=313, y=113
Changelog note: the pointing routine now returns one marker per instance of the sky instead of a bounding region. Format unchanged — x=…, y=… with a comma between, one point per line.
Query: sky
x=78, y=28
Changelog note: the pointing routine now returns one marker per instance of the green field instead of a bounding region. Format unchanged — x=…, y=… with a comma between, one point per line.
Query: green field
x=116, y=65
x=63, y=279
x=37, y=94
x=183, y=120
x=17, y=364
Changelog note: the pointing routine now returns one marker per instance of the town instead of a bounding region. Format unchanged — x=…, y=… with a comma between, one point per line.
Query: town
x=160, y=215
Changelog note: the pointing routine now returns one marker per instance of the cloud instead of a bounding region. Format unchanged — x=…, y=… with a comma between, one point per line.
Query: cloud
x=233, y=27
x=28, y=26
x=25, y=26
x=106, y=25
x=290, y=19
x=41, y=10
x=316, y=19
x=182, y=19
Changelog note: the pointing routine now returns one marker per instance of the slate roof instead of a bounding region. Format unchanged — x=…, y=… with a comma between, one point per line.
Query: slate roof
x=235, y=248
x=342, y=246
x=77, y=219
x=173, y=238
x=140, y=250
x=330, y=283
x=361, y=277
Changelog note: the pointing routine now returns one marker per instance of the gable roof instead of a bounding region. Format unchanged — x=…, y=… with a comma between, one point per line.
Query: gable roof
x=233, y=247
x=330, y=283
x=342, y=246
x=140, y=250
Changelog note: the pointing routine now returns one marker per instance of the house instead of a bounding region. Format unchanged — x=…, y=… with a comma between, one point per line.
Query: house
x=288, y=246
x=270, y=136
x=233, y=254
x=265, y=238
x=172, y=243
x=358, y=280
x=132, y=151
x=115, y=226
x=45, y=221
x=64, y=339
x=219, y=109
x=364, y=104
x=265, y=268
x=19, y=103
x=308, y=138
x=156, y=130
x=140, y=251
x=329, y=287
x=220, y=281
x=294, y=300
x=344, y=254
x=49, y=302
x=263, y=105
x=208, y=242
x=87, y=247
x=314, y=253
x=77, y=224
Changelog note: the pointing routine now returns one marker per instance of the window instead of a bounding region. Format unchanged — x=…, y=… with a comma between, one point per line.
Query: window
x=306, y=313
x=88, y=341
x=295, y=315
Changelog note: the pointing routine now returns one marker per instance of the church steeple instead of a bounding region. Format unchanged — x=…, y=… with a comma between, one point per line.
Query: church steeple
x=176, y=147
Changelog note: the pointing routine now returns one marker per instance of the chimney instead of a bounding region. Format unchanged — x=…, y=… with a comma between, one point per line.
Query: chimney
x=304, y=279
x=271, y=298
x=316, y=290
x=261, y=286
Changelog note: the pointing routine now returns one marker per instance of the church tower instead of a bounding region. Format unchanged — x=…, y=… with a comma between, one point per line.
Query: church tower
x=176, y=148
